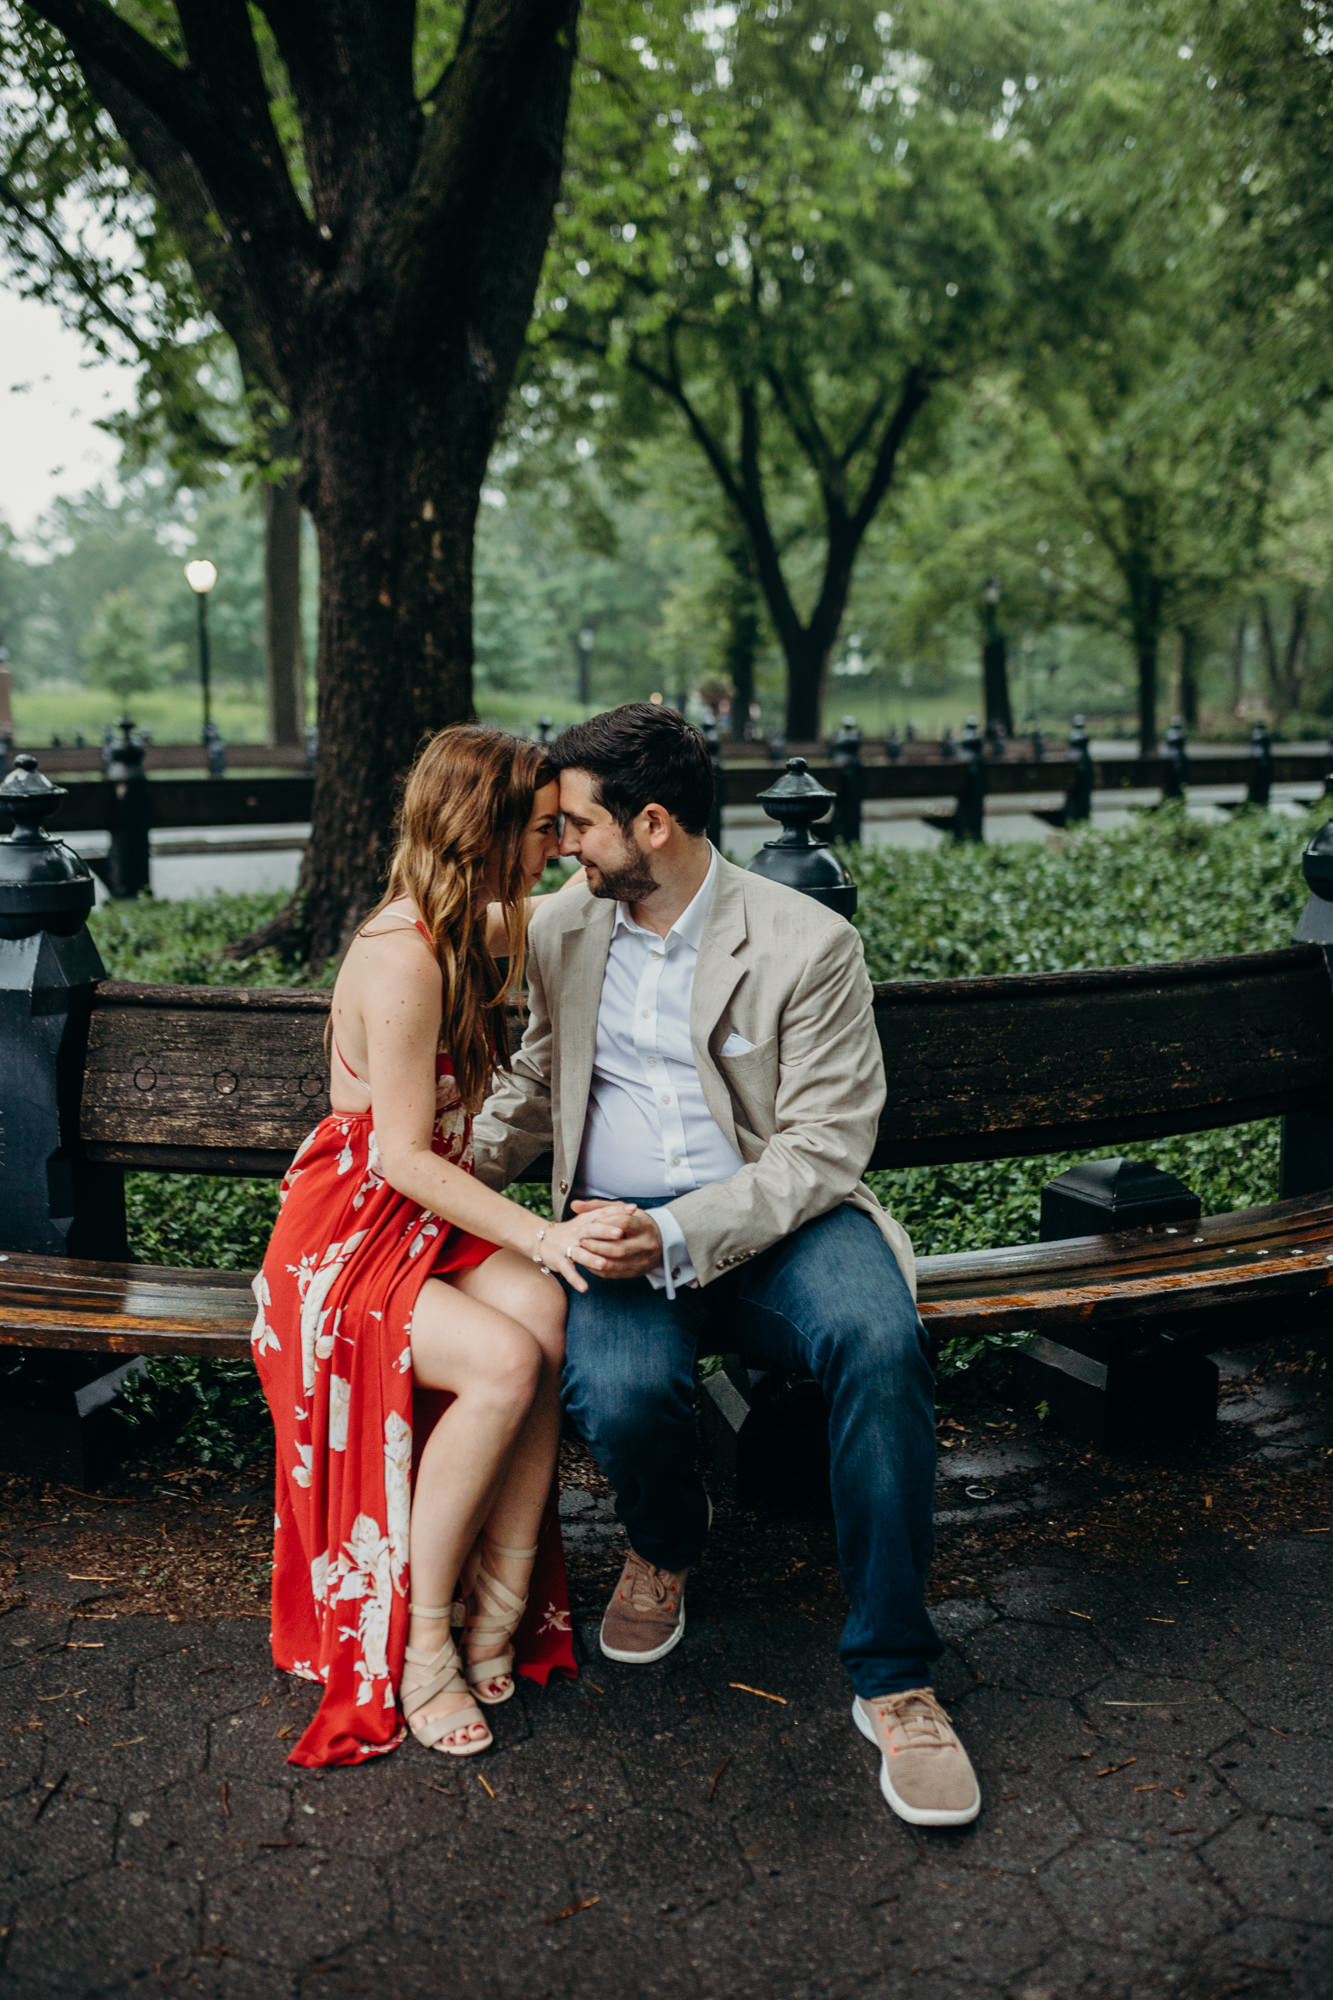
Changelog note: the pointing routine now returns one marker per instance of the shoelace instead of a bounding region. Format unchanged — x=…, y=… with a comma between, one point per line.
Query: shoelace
x=922, y=1721
x=648, y=1588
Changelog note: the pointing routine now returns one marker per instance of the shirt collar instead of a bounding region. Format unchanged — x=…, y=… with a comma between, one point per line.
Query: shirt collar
x=689, y=925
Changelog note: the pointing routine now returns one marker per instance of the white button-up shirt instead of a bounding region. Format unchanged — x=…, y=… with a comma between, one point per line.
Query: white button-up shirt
x=648, y=1130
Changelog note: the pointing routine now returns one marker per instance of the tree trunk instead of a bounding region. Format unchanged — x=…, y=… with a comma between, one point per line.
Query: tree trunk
x=1145, y=655
x=1189, y=675
x=394, y=494
x=741, y=641
x=1293, y=664
x=284, y=647
x=995, y=682
x=807, y=671
x=381, y=298
x=1284, y=661
x=1147, y=600
x=1238, y=639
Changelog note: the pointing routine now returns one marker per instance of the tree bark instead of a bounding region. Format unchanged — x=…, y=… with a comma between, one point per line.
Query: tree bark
x=1189, y=675
x=807, y=672
x=1238, y=638
x=995, y=682
x=1284, y=660
x=741, y=640
x=284, y=645
x=384, y=308
x=1145, y=655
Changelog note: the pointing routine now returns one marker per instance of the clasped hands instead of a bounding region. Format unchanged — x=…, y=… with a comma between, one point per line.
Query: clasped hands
x=613, y=1239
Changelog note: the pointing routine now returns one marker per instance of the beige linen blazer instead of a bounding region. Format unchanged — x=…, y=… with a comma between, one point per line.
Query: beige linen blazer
x=800, y=1106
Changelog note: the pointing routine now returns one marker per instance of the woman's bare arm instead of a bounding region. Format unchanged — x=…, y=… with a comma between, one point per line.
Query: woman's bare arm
x=401, y=1007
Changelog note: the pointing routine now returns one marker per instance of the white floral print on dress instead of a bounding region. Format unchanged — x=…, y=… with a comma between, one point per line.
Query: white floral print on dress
x=263, y=1339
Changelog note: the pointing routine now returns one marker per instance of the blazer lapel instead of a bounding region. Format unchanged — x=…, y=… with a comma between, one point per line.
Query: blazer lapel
x=716, y=977
x=574, y=1004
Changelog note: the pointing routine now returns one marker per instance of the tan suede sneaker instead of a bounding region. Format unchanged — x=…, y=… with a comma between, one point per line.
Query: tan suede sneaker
x=646, y=1615
x=925, y=1773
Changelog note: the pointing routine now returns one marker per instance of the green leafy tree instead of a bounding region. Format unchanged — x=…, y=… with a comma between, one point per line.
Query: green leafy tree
x=119, y=651
x=363, y=197
x=787, y=226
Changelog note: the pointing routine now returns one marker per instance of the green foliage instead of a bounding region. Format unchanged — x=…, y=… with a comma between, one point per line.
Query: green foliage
x=1169, y=886
x=181, y=944
x=201, y=1220
x=213, y=1411
x=782, y=230
x=118, y=649
x=99, y=594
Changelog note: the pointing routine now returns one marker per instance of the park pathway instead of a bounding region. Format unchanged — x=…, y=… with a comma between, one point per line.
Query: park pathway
x=1155, y=1749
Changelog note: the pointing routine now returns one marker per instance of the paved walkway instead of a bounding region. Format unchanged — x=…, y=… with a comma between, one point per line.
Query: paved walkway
x=1156, y=1754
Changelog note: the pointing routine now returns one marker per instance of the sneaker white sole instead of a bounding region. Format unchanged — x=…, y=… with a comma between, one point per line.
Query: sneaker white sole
x=643, y=1659
x=914, y=1815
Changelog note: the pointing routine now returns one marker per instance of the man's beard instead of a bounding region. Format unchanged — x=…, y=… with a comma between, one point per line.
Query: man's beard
x=629, y=883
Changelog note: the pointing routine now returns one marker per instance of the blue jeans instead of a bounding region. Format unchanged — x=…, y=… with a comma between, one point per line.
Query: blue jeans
x=831, y=1300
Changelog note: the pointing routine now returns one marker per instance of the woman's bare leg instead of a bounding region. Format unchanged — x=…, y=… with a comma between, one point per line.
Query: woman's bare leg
x=492, y=1365
x=509, y=1284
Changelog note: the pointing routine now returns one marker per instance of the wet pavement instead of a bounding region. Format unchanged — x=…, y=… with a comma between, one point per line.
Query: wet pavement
x=1155, y=1751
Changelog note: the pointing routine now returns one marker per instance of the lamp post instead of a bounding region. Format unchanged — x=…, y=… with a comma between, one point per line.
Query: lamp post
x=994, y=673
x=201, y=575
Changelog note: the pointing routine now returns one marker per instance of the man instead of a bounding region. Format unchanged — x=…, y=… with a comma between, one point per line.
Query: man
x=701, y=1045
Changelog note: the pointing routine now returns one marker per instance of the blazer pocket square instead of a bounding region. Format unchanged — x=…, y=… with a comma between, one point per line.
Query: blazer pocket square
x=736, y=1045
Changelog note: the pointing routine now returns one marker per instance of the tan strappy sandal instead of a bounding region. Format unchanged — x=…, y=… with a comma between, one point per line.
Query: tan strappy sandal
x=426, y=1675
x=493, y=1614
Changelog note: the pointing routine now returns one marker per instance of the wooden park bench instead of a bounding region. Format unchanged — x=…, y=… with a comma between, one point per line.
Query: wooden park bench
x=106, y=1076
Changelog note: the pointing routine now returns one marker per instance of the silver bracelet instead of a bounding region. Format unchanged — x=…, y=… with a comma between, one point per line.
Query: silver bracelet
x=537, y=1258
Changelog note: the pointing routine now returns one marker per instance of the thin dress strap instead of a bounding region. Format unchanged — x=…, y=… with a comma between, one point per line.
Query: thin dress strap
x=342, y=1058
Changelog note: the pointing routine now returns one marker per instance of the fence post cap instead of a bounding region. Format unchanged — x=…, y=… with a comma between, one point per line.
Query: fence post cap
x=44, y=886
x=1317, y=863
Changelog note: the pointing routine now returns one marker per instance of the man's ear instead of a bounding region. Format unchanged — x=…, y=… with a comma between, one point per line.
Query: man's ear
x=657, y=823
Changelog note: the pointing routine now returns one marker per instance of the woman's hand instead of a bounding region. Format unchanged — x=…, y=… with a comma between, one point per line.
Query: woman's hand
x=565, y=1245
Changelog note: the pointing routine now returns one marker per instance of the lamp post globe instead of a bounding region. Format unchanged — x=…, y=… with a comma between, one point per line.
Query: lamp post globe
x=201, y=575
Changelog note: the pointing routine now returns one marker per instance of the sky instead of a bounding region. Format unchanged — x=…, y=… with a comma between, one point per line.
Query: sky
x=51, y=391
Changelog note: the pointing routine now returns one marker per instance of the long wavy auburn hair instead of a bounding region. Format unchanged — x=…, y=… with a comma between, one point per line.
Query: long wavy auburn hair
x=465, y=807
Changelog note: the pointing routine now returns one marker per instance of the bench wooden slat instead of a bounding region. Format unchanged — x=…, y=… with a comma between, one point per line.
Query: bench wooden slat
x=1010, y=1067
x=229, y=1080
x=78, y=1305
x=203, y=1080
x=1091, y=1280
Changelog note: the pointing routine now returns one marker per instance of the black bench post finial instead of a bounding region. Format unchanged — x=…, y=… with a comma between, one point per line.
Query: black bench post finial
x=54, y=1203
x=969, y=820
x=1261, y=766
x=1316, y=924
x=1078, y=799
x=846, y=748
x=1177, y=761
x=796, y=801
x=1307, y=1135
x=126, y=869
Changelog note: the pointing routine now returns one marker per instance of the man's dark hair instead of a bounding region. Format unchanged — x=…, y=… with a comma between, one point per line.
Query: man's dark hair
x=639, y=755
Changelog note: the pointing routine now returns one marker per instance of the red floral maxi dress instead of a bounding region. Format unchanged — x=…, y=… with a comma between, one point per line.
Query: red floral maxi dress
x=335, y=1297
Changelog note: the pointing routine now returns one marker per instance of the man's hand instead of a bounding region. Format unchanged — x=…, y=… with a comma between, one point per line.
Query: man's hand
x=638, y=1251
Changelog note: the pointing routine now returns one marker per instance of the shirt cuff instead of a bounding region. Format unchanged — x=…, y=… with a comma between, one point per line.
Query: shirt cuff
x=675, y=1268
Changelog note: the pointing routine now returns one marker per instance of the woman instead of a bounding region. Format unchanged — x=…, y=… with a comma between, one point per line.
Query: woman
x=392, y=1271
